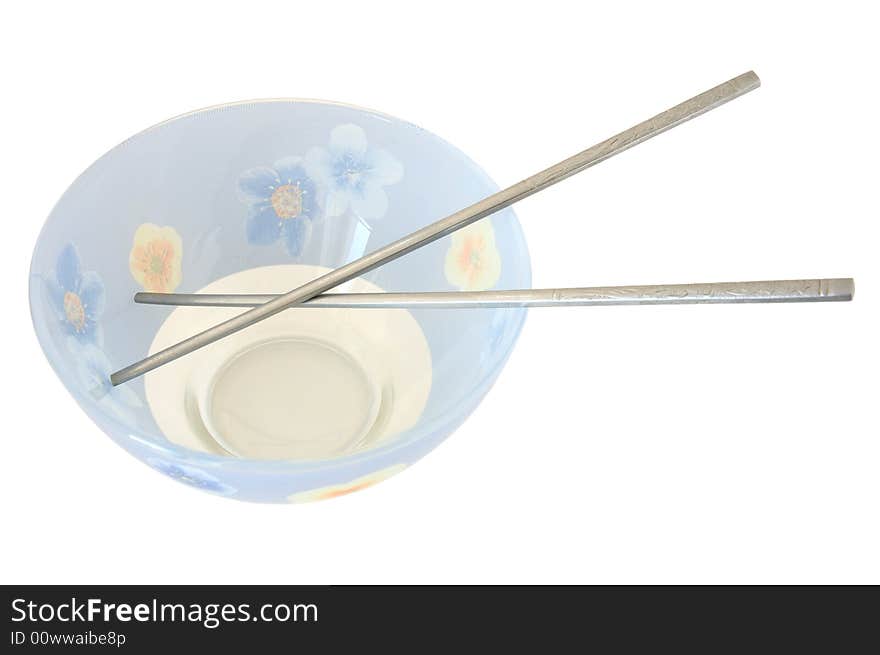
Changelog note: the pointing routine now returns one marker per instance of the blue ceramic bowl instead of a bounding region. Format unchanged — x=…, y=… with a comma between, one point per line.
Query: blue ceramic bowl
x=240, y=186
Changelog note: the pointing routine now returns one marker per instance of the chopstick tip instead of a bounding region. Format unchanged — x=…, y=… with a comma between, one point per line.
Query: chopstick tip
x=840, y=288
x=845, y=287
x=750, y=79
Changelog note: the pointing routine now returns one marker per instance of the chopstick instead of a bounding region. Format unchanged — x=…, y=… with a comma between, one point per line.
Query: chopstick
x=822, y=290
x=666, y=120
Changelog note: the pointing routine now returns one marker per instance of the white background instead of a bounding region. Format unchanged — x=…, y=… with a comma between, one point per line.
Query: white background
x=734, y=444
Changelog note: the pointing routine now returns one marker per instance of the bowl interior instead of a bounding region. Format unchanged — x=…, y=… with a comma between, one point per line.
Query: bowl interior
x=224, y=190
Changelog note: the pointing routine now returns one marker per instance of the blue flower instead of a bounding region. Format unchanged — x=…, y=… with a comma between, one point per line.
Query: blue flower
x=282, y=201
x=77, y=297
x=94, y=369
x=352, y=173
x=192, y=476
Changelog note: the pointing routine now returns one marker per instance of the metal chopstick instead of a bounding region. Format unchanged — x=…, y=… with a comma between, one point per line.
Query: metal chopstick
x=668, y=119
x=823, y=290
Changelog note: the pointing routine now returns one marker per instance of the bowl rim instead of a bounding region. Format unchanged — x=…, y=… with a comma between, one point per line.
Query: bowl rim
x=210, y=461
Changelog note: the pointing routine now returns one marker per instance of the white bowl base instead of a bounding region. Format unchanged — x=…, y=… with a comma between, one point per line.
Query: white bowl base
x=305, y=384
x=281, y=399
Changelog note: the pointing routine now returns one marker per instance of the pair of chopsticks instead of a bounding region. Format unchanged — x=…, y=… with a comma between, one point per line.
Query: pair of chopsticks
x=310, y=294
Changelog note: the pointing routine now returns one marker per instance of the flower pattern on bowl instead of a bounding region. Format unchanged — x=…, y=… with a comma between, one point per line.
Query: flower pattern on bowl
x=282, y=202
x=77, y=297
x=93, y=370
x=472, y=261
x=155, y=258
x=191, y=476
x=352, y=173
x=336, y=490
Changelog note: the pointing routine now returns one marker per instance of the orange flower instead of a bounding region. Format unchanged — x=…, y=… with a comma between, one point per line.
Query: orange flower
x=336, y=490
x=155, y=258
x=472, y=261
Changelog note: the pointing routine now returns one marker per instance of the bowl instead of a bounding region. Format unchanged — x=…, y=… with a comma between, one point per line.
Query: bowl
x=260, y=197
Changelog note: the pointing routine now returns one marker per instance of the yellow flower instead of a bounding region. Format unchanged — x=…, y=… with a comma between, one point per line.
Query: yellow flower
x=155, y=257
x=472, y=261
x=74, y=311
x=336, y=490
